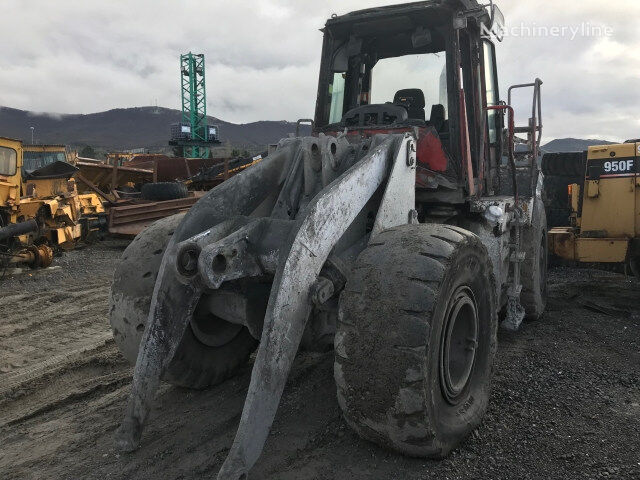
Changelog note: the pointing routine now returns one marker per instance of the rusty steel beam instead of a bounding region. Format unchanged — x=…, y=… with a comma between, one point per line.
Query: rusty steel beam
x=94, y=188
x=132, y=219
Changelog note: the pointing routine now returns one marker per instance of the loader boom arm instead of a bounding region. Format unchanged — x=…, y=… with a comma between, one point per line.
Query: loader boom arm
x=289, y=304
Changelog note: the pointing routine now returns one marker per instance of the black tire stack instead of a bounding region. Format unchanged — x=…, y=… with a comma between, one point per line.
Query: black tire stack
x=561, y=170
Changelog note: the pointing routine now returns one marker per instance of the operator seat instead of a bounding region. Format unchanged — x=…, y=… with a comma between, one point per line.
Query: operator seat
x=413, y=100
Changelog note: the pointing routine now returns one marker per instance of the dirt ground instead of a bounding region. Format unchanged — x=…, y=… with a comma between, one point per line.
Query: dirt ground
x=565, y=404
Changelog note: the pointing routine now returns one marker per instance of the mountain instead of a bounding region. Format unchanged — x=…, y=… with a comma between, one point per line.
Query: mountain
x=128, y=128
x=571, y=145
x=148, y=127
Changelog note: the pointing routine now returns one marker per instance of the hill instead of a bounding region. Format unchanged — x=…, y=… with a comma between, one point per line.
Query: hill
x=127, y=128
x=148, y=127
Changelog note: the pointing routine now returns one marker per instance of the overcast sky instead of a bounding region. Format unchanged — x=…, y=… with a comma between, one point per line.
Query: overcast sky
x=262, y=57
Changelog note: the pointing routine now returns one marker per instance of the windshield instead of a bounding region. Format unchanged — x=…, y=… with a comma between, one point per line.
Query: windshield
x=35, y=160
x=8, y=161
x=416, y=82
x=425, y=72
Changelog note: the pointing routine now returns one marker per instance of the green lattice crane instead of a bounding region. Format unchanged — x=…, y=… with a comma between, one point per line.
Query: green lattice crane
x=193, y=134
x=194, y=101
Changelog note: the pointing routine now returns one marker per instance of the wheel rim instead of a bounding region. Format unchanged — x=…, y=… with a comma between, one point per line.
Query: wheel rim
x=459, y=345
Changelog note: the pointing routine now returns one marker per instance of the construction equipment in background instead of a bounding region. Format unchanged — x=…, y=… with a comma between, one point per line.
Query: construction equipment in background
x=120, y=158
x=41, y=155
x=40, y=208
x=193, y=134
x=604, y=206
x=111, y=182
x=152, y=186
x=132, y=217
x=395, y=236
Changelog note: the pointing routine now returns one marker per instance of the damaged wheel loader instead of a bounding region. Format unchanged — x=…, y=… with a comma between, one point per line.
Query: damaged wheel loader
x=396, y=237
x=40, y=208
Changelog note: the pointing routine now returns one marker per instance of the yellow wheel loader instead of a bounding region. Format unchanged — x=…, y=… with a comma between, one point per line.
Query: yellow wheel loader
x=40, y=208
x=604, y=221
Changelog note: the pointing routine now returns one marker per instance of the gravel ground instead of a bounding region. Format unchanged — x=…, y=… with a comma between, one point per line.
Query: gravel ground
x=565, y=402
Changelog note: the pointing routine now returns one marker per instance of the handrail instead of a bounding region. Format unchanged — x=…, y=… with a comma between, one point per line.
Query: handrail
x=512, y=160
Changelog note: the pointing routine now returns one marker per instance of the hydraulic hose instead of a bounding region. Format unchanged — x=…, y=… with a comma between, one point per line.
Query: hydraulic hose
x=17, y=229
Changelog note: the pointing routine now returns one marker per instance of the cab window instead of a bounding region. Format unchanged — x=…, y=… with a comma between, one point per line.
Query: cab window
x=8, y=161
x=492, y=90
x=422, y=76
x=35, y=160
x=336, y=93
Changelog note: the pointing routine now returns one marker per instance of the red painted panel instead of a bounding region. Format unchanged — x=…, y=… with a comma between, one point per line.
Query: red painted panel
x=431, y=156
x=430, y=152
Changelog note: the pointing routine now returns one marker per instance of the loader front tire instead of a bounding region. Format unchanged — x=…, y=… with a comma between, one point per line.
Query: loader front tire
x=195, y=364
x=416, y=339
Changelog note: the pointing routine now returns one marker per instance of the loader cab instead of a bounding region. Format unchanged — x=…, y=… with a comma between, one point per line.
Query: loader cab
x=426, y=67
x=40, y=156
x=10, y=180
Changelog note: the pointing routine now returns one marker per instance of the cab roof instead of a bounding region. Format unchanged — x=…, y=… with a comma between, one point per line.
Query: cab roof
x=11, y=139
x=389, y=29
x=413, y=8
x=42, y=145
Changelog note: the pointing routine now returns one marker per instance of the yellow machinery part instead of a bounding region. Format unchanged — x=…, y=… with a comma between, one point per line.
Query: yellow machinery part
x=611, y=203
x=10, y=182
x=50, y=187
x=35, y=256
x=602, y=250
x=90, y=204
x=564, y=243
x=605, y=211
x=66, y=236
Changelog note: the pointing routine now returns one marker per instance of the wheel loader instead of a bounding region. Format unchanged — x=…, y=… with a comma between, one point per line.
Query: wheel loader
x=604, y=219
x=394, y=234
x=40, y=208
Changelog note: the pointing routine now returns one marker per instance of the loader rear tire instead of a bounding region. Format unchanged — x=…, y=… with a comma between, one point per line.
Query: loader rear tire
x=195, y=364
x=416, y=339
x=534, y=268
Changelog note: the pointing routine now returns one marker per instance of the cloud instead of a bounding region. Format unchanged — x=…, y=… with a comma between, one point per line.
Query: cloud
x=262, y=58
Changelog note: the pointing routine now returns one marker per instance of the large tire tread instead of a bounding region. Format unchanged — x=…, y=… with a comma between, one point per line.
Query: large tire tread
x=533, y=275
x=194, y=364
x=381, y=345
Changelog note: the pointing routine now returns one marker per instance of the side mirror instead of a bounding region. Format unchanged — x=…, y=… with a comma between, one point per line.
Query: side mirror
x=496, y=22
